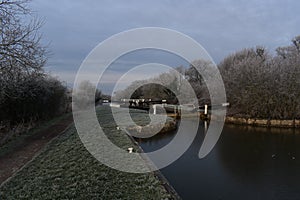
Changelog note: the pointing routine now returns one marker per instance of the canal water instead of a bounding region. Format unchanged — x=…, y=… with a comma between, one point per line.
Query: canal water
x=246, y=163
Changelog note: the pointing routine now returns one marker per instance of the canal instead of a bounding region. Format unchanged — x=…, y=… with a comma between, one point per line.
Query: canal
x=246, y=163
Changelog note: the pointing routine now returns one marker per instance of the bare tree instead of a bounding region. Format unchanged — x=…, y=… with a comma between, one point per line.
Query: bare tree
x=21, y=54
x=20, y=47
x=197, y=81
x=26, y=91
x=264, y=86
x=246, y=74
x=85, y=95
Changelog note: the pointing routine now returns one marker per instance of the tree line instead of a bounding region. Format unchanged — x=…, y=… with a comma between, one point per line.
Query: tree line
x=27, y=93
x=261, y=85
x=258, y=84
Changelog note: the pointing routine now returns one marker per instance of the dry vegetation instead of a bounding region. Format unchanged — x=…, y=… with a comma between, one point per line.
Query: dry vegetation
x=27, y=93
x=261, y=85
x=258, y=84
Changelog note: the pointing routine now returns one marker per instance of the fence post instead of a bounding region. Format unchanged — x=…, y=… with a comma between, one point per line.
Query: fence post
x=154, y=109
x=205, y=109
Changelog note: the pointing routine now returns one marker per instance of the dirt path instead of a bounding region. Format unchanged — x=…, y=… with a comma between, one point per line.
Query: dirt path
x=24, y=152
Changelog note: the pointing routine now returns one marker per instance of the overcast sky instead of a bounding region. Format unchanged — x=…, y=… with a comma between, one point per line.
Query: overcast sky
x=73, y=28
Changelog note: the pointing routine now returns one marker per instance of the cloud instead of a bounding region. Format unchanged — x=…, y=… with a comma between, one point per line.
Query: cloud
x=74, y=28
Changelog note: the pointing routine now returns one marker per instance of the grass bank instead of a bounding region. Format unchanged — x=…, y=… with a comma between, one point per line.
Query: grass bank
x=66, y=170
x=19, y=139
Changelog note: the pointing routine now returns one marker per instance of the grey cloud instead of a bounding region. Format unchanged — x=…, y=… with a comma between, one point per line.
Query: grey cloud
x=74, y=28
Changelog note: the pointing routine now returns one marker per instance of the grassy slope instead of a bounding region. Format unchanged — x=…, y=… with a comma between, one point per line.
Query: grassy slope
x=17, y=140
x=65, y=170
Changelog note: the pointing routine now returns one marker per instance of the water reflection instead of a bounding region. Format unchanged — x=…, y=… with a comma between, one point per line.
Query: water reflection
x=246, y=163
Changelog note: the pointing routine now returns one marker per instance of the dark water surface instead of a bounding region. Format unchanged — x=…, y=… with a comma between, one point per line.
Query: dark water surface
x=247, y=163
